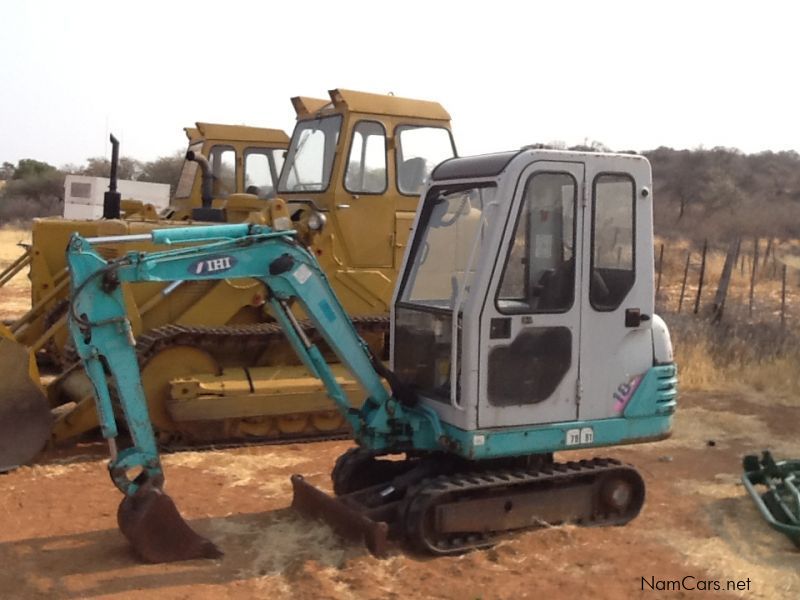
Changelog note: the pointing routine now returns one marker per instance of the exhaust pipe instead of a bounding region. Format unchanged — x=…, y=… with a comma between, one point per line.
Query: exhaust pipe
x=111, y=199
x=208, y=176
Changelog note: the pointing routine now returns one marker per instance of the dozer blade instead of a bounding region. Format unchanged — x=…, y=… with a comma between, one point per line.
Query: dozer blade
x=25, y=420
x=345, y=520
x=152, y=524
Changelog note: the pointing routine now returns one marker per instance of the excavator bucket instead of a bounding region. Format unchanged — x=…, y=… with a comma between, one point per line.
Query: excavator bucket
x=25, y=420
x=152, y=524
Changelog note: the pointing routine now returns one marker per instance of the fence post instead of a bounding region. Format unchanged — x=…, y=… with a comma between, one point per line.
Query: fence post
x=660, y=269
x=685, y=274
x=741, y=265
x=724, y=281
x=766, y=254
x=753, y=276
x=783, y=297
x=702, y=275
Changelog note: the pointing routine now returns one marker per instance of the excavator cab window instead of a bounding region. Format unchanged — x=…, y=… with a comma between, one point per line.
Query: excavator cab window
x=419, y=150
x=452, y=229
x=188, y=173
x=613, y=240
x=309, y=161
x=223, y=167
x=539, y=274
x=366, y=166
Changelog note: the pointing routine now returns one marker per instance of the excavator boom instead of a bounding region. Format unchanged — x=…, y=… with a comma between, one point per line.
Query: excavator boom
x=102, y=335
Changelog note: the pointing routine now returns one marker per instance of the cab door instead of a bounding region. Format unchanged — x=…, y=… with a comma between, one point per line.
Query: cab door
x=365, y=208
x=530, y=325
x=617, y=297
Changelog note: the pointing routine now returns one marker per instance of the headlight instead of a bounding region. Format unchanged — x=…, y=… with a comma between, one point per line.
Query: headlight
x=316, y=221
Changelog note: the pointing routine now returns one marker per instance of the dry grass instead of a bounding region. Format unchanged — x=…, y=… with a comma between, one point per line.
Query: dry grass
x=15, y=295
x=751, y=349
x=10, y=237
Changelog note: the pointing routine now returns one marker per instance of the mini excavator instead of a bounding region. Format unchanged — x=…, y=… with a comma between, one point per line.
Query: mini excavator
x=522, y=325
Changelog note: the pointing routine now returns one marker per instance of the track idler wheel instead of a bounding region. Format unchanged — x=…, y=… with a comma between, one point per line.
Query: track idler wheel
x=152, y=524
x=25, y=420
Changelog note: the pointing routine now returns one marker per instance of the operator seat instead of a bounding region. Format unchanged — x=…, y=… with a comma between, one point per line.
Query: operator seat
x=412, y=175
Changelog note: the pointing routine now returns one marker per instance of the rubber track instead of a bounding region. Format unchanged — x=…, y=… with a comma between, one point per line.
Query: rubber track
x=433, y=491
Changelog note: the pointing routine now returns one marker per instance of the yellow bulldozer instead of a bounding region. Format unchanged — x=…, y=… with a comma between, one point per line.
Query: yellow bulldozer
x=214, y=364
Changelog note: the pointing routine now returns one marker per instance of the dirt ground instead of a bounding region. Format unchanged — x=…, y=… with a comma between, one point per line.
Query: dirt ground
x=59, y=537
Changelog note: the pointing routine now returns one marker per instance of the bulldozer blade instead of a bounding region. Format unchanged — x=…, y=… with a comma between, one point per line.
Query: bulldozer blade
x=152, y=524
x=25, y=420
x=345, y=520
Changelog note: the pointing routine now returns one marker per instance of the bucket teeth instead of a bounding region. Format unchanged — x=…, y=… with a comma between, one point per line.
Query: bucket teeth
x=152, y=524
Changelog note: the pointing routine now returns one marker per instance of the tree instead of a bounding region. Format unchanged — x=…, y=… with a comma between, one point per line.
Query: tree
x=28, y=168
x=35, y=189
x=6, y=171
x=128, y=168
x=165, y=169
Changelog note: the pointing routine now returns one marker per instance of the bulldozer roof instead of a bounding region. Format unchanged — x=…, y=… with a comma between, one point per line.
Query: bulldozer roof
x=241, y=133
x=363, y=102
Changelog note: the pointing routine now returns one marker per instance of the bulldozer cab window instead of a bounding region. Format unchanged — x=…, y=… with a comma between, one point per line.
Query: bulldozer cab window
x=278, y=157
x=452, y=229
x=223, y=167
x=613, y=239
x=260, y=172
x=188, y=173
x=539, y=274
x=419, y=150
x=366, y=165
x=309, y=160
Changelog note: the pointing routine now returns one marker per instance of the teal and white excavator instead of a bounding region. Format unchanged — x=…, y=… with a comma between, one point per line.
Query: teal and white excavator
x=522, y=325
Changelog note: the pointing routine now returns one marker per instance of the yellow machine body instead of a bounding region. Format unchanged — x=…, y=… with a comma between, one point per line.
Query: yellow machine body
x=211, y=378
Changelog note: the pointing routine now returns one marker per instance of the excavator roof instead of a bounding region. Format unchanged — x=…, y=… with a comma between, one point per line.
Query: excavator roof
x=363, y=102
x=239, y=133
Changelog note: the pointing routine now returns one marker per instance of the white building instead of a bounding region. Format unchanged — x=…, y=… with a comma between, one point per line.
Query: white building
x=83, y=195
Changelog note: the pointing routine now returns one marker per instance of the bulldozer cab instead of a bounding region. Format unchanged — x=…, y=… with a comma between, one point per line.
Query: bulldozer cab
x=526, y=296
x=240, y=160
x=359, y=162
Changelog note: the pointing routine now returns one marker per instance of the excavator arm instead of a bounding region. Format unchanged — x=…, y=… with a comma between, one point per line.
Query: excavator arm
x=103, y=339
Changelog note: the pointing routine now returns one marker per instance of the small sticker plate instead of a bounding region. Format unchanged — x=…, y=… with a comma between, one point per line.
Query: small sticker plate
x=579, y=437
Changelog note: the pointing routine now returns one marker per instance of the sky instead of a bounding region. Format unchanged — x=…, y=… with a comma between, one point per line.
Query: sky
x=632, y=75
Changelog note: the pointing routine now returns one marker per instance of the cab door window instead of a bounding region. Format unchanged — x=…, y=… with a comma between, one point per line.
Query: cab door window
x=613, y=240
x=366, y=164
x=539, y=273
x=223, y=167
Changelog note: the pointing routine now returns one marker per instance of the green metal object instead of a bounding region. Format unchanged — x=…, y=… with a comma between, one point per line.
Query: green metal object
x=774, y=487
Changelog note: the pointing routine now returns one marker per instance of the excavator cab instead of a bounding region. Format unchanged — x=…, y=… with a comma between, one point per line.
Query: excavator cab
x=526, y=297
